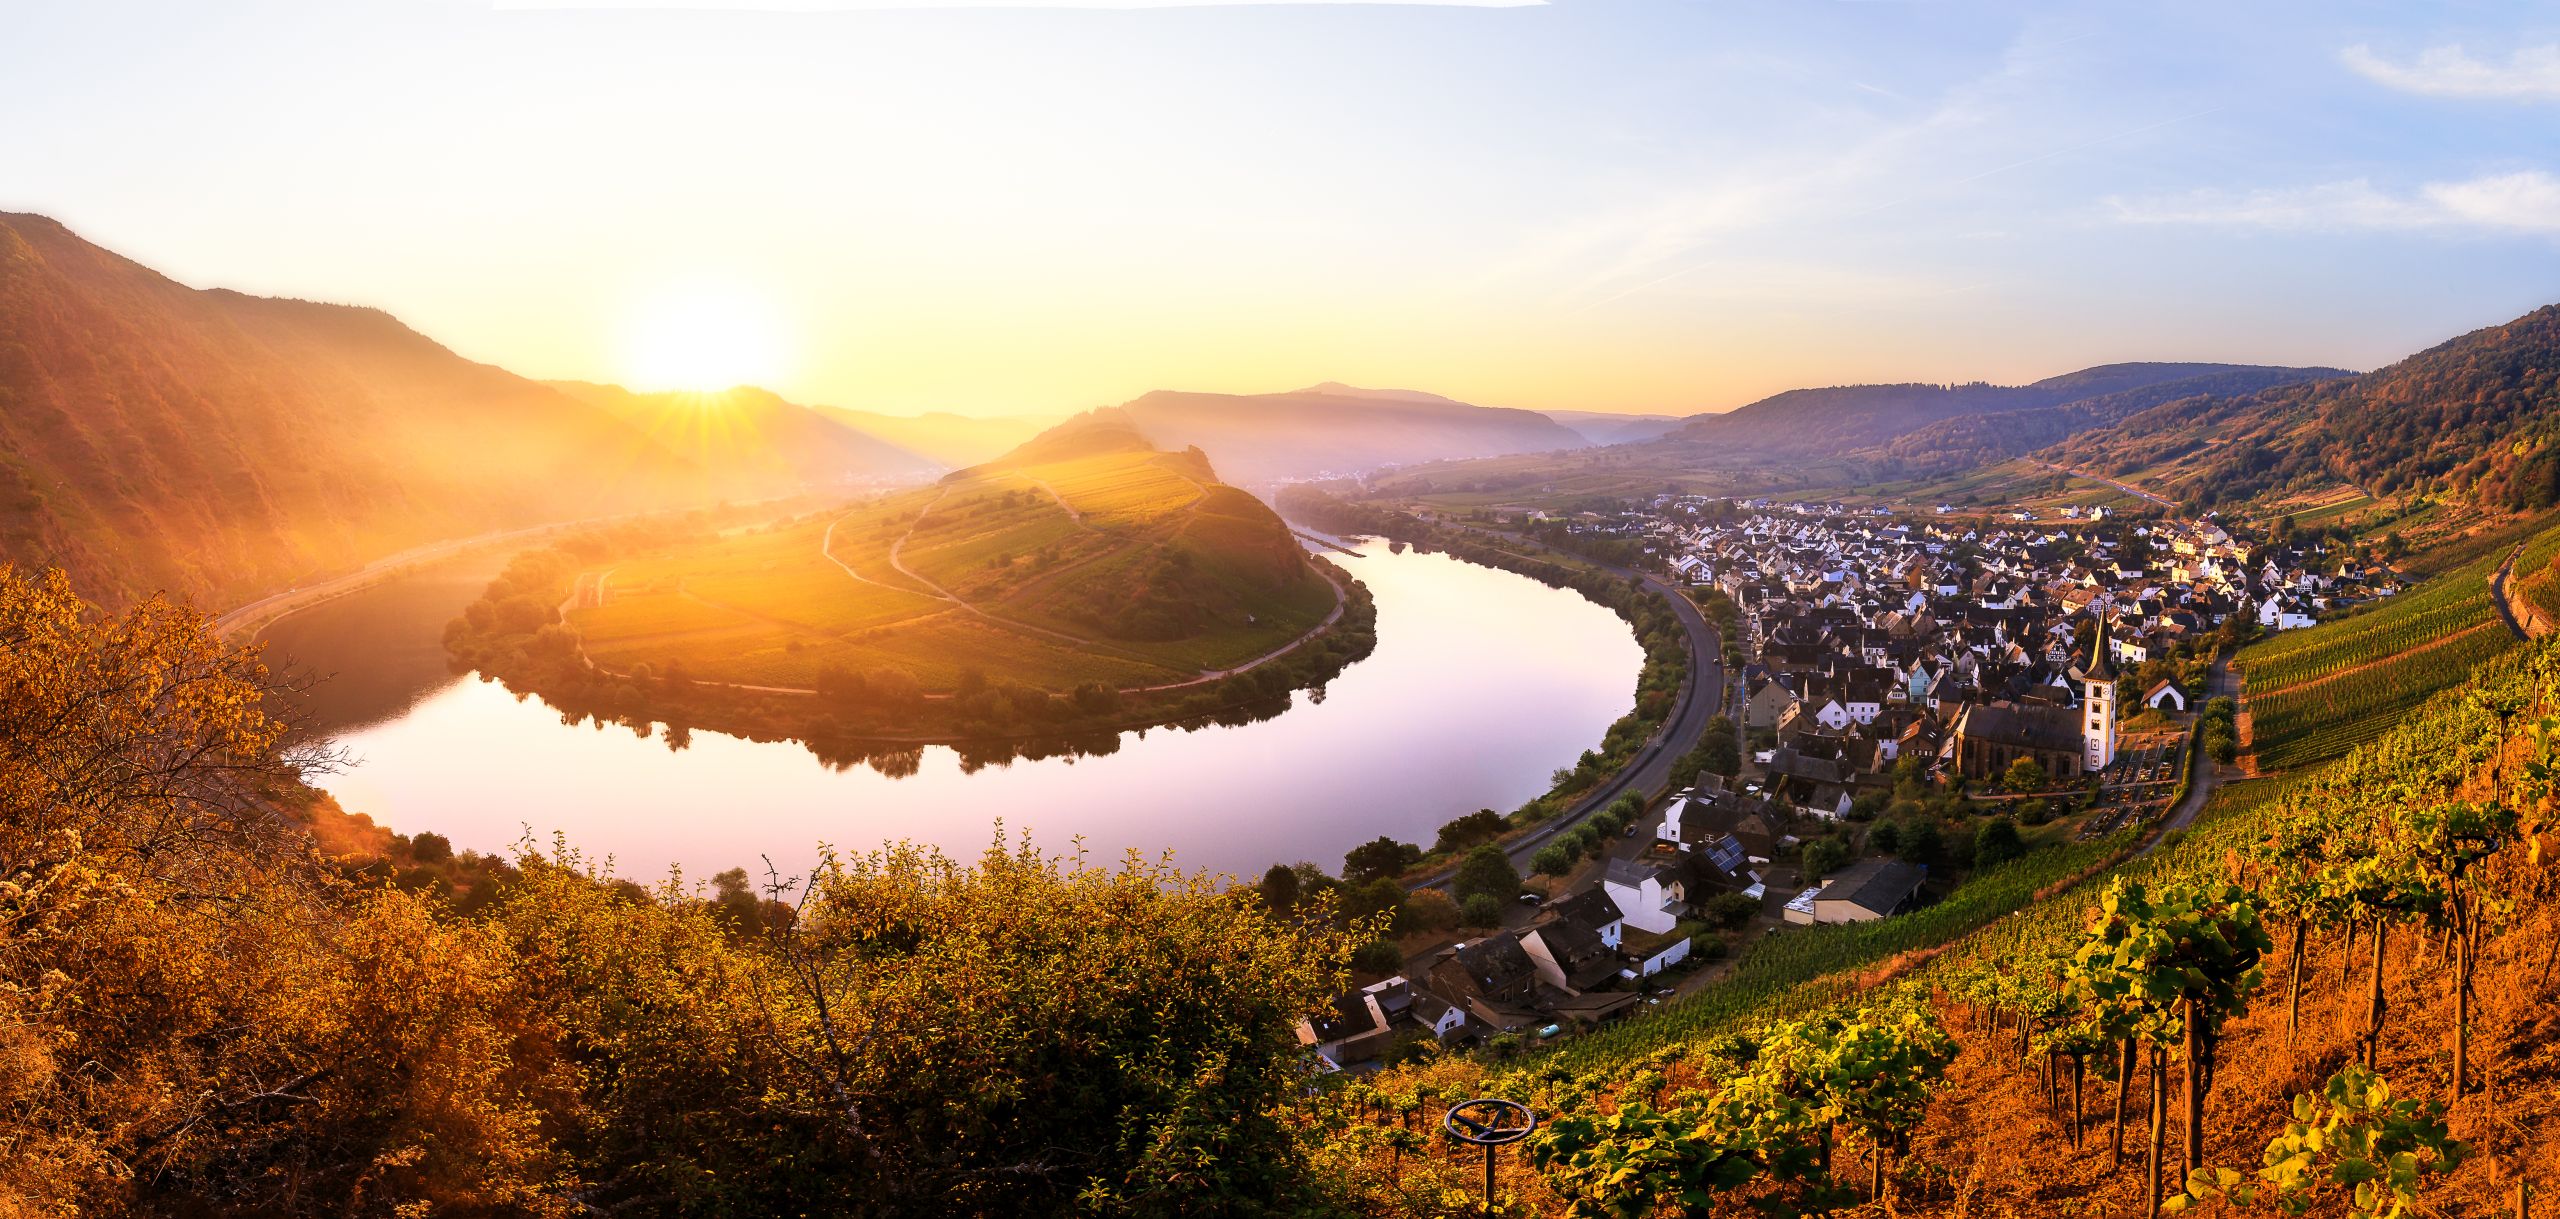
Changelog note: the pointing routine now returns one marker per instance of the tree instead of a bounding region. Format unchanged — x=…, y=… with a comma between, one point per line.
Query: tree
x=1731, y=910
x=1463, y=832
x=1378, y=957
x=1378, y=857
x=1996, y=842
x=1481, y=910
x=2024, y=775
x=1377, y=901
x=1884, y=836
x=1486, y=872
x=1280, y=888
x=1426, y=910
x=1554, y=859
x=1823, y=856
x=1921, y=841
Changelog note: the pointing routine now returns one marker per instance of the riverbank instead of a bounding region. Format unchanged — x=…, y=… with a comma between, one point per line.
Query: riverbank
x=1679, y=692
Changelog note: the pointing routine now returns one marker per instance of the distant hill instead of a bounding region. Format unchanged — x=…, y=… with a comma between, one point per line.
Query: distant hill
x=1601, y=427
x=1844, y=419
x=1966, y=441
x=218, y=446
x=748, y=437
x=2476, y=418
x=945, y=439
x=1338, y=429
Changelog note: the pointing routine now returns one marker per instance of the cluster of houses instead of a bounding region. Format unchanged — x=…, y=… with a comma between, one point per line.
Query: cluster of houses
x=1585, y=957
x=1969, y=644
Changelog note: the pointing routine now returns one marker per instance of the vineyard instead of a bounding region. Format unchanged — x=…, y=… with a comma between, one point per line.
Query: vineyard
x=2535, y=581
x=2316, y=693
x=2331, y=996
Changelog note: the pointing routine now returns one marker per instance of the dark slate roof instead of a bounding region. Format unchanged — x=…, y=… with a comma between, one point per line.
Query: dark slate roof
x=1879, y=885
x=1495, y=962
x=1590, y=908
x=2036, y=727
x=1349, y=1017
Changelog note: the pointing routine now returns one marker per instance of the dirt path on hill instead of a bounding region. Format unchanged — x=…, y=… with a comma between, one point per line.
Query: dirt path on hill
x=827, y=551
x=2528, y=624
x=2127, y=488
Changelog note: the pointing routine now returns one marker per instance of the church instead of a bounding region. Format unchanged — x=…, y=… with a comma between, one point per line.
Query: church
x=2067, y=742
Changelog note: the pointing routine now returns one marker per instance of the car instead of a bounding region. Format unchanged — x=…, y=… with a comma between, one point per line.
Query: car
x=1532, y=899
x=1551, y=1030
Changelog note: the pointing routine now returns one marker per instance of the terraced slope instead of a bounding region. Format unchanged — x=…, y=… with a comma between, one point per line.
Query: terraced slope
x=2315, y=694
x=1085, y=556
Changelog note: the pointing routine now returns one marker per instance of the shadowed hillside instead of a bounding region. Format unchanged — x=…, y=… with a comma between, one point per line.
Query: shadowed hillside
x=217, y=446
x=2477, y=417
x=1840, y=419
x=1966, y=441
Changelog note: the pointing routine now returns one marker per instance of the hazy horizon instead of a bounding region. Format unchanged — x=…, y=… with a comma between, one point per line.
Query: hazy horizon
x=1634, y=208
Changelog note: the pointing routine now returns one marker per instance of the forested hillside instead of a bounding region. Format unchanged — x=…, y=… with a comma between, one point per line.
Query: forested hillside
x=217, y=446
x=2477, y=418
x=1967, y=441
x=1841, y=419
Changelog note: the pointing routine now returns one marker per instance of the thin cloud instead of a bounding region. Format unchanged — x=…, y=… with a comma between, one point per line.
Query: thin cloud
x=2530, y=73
x=2527, y=202
x=835, y=6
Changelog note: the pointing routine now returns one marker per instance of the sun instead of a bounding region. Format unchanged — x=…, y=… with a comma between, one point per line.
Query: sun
x=703, y=338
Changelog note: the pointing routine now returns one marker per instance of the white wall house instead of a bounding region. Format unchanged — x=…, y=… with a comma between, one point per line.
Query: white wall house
x=1649, y=899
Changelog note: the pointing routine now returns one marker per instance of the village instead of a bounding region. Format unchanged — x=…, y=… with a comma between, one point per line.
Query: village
x=1917, y=695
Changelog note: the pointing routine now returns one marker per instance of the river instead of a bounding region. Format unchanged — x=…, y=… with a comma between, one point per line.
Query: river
x=1483, y=683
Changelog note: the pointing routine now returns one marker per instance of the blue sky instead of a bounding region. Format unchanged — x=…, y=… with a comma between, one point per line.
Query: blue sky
x=1601, y=204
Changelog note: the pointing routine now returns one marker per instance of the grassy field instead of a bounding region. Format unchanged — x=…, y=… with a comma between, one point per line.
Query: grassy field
x=1108, y=563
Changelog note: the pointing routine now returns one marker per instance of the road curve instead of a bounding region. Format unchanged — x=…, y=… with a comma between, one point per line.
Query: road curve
x=2202, y=772
x=1701, y=698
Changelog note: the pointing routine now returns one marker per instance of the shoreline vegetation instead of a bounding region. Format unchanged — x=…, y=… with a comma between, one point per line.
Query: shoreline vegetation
x=515, y=633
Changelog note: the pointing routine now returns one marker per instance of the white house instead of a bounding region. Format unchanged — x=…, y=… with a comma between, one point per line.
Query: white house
x=2165, y=693
x=1657, y=953
x=1648, y=897
x=2274, y=615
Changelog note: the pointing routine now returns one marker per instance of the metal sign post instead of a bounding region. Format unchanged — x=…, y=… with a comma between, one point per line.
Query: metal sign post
x=1489, y=1122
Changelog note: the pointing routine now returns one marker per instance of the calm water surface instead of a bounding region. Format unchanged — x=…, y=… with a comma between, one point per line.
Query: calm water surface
x=1483, y=682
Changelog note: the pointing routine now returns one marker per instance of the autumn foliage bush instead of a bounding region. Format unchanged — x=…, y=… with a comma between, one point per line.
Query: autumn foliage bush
x=201, y=1015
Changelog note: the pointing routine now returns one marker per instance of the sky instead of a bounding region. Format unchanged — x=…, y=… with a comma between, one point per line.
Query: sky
x=1625, y=205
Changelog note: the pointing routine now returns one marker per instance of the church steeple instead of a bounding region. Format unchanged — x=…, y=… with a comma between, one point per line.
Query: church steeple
x=2098, y=703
